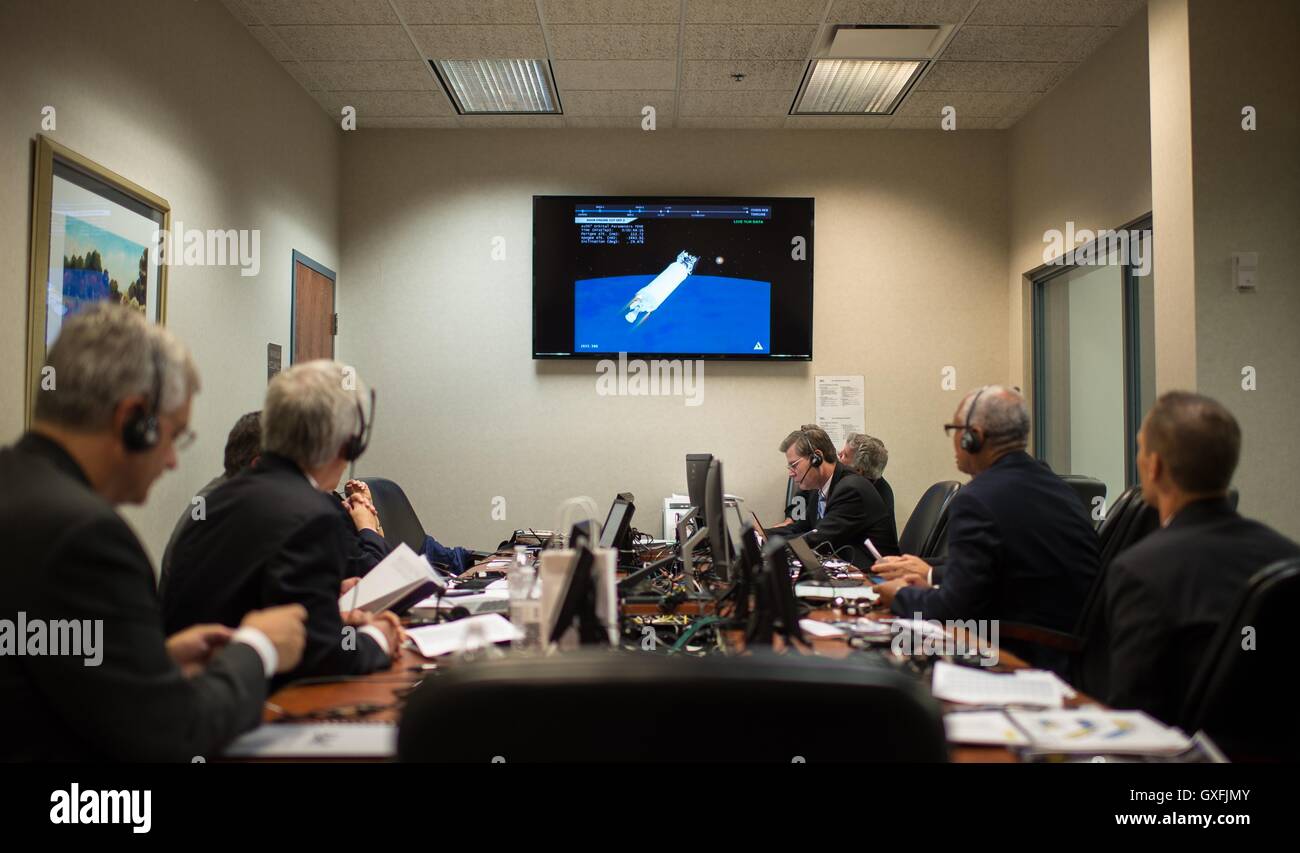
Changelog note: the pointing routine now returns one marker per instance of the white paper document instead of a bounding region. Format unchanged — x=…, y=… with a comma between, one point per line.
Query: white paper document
x=812, y=590
x=840, y=408
x=972, y=686
x=317, y=740
x=396, y=577
x=986, y=728
x=434, y=640
x=814, y=628
x=1094, y=730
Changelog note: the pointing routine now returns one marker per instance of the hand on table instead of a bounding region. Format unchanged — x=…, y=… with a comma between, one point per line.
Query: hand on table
x=193, y=647
x=893, y=568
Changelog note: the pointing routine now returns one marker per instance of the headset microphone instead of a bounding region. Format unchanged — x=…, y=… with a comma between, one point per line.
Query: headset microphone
x=970, y=442
x=140, y=431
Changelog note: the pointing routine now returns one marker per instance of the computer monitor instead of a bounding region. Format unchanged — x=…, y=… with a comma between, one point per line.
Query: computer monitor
x=715, y=520
x=614, y=533
x=697, y=471
x=785, y=607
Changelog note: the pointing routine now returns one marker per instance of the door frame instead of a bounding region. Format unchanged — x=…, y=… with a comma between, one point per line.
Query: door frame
x=1039, y=279
x=315, y=266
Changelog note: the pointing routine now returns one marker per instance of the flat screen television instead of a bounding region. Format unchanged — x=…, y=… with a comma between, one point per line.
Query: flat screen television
x=672, y=277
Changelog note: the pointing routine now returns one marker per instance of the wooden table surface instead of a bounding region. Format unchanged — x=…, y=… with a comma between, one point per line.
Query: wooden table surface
x=385, y=688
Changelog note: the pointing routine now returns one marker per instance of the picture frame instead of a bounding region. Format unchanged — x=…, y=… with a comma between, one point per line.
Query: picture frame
x=94, y=239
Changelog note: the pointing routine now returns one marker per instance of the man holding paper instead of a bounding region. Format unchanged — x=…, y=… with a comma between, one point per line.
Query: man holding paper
x=275, y=534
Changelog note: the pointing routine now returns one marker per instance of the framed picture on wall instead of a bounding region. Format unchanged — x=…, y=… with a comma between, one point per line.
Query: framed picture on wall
x=92, y=235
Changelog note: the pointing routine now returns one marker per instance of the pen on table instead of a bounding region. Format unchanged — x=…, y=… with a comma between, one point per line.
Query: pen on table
x=872, y=549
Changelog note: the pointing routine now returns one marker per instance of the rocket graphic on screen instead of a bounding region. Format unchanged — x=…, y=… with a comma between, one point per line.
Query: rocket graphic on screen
x=649, y=298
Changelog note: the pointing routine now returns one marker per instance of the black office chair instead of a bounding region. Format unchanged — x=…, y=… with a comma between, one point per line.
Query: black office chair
x=1087, y=488
x=594, y=706
x=1237, y=696
x=396, y=514
x=926, y=531
x=1087, y=647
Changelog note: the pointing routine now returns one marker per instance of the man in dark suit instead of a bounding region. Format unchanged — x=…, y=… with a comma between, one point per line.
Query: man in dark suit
x=867, y=455
x=835, y=505
x=275, y=534
x=243, y=445
x=112, y=422
x=1021, y=547
x=1166, y=596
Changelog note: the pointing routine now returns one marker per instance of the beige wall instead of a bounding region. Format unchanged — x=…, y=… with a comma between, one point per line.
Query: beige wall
x=1083, y=155
x=1247, y=199
x=910, y=277
x=181, y=99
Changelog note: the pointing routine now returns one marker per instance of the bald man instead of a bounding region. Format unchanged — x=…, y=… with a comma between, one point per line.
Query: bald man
x=1021, y=547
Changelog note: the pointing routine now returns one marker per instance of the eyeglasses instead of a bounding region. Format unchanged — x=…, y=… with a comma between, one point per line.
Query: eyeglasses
x=948, y=428
x=184, y=439
x=794, y=466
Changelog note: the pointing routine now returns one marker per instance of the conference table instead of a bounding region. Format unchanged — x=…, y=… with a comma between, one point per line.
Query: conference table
x=378, y=696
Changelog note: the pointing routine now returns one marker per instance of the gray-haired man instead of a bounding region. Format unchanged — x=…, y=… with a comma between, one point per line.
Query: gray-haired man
x=107, y=424
x=275, y=534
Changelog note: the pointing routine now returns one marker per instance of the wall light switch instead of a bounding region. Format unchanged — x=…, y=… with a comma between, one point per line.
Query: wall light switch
x=1245, y=270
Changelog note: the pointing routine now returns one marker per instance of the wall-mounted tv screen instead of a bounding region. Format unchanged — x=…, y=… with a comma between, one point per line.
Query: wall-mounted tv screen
x=672, y=277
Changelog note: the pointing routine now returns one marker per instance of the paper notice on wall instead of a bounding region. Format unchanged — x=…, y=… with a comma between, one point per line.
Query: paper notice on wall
x=840, y=408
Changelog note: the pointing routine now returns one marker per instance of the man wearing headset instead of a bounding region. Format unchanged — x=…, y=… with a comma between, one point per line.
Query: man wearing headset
x=276, y=533
x=111, y=414
x=1020, y=545
x=833, y=505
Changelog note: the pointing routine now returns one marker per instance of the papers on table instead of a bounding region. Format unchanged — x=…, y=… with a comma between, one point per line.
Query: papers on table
x=991, y=728
x=812, y=590
x=973, y=686
x=317, y=740
x=494, y=598
x=813, y=628
x=1093, y=730
x=434, y=640
x=1089, y=731
x=401, y=578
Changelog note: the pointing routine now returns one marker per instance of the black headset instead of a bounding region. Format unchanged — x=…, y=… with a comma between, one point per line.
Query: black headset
x=140, y=431
x=357, y=444
x=970, y=441
x=814, y=461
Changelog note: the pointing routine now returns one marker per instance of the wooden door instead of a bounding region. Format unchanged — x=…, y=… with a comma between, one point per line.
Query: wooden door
x=314, y=322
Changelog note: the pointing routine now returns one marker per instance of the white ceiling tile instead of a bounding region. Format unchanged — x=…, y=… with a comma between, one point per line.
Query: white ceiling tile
x=932, y=123
x=347, y=42
x=769, y=41
x=596, y=41
x=511, y=121
x=373, y=75
x=760, y=74
x=373, y=122
x=900, y=11
x=839, y=122
x=611, y=11
x=755, y=11
x=732, y=122
x=1051, y=44
x=615, y=73
x=696, y=103
x=967, y=104
x=601, y=103
x=495, y=41
x=1110, y=13
x=319, y=12
x=467, y=11
x=272, y=43
x=618, y=122
x=387, y=104
x=303, y=75
x=994, y=76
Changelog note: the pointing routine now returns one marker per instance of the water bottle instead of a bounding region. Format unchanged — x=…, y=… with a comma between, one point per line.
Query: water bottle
x=525, y=602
